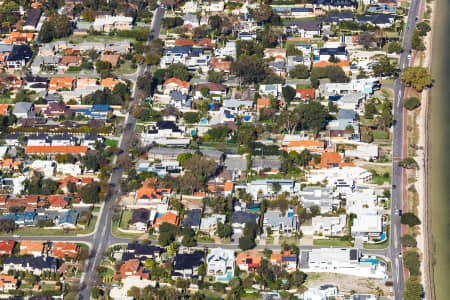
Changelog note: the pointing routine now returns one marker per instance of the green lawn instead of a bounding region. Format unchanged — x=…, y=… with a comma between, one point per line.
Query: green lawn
x=52, y=232
x=380, y=135
x=303, y=86
x=205, y=239
x=110, y=142
x=288, y=240
x=5, y=100
x=120, y=234
x=333, y=242
x=125, y=68
x=126, y=218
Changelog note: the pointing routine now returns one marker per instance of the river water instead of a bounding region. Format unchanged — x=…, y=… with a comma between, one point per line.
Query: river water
x=440, y=152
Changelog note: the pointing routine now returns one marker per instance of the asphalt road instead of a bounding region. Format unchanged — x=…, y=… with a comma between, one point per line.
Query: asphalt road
x=398, y=145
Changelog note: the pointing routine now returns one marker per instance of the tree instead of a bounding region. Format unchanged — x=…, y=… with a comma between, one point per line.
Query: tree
x=291, y=50
x=7, y=225
x=54, y=27
x=215, y=22
x=102, y=66
x=290, y=120
x=249, y=69
x=408, y=163
x=144, y=84
x=299, y=72
x=366, y=39
x=201, y=166
x=276, y=187
x=315, y=116
x=216, y=77
x=191, y=117
x=412, y=262
x=417, y=77
x=416, y=41
x=96, y=292
x=178, y=70
x=410, y=219
x=89, y=193
x=183, y=157
x=411, y=103
x=204, y=90
x=423, y=28
x=250, y=230
x=152, y=58
x=246, y=243
x=315, y=210
x=88, y=15
x=413, y=289
x=409, y=241
x=304, y=158
x=383, y=67
x=188, y=241
x=288, y=93
x=223, y=230
x=167, y=233
x=395, y=47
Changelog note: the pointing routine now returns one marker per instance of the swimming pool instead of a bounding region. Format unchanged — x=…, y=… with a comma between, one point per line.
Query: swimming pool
x=227, y=278
x=374, y=261
x=204, y=121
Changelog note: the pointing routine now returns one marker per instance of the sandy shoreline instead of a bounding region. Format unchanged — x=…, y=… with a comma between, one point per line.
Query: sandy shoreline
x=423, y=159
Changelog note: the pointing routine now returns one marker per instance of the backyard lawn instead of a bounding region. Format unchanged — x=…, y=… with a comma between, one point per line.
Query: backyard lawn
x=52, y=232
x=332, y=242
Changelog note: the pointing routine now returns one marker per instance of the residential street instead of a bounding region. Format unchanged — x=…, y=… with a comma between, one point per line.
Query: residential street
x=398, y=152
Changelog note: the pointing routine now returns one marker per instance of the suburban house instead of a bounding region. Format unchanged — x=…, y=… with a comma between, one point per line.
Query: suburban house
x=239, y=218
x=220, y=264
x=58, y=201
x=329, y=226
x=213, y=89
x=35, y=248
x=65, y=250
x=304, y=28
x=173, y=83
x=322, y=292
x=192, y=218
x=209, y=224
x=109, y=23
x=132, y=267
x=142, y=251
x=186, y=265
x=32, y=20
x=364, y=151
x=293, y=61
x=280, y=224
x=332, y=159
x=318, y=196
x=312, y=146
x=68, y=219
x=34, y=265
x=286, y=260
x=7, y=247
x=248, y=262
x=342, y=261
x=265, y=187
x=262, y=103
x=139, y=220
x=19, y=56
x=368, y=227
x=23, y=110
x=168, y=217
x=7, y=283
x=152, y=197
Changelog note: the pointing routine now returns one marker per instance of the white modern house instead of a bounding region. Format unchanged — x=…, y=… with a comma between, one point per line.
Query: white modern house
x=319, y=196
x=322, y=292
x=347, y=261
x=265, y=187
x=280, y=224
x=221, y=264
x=329, y=226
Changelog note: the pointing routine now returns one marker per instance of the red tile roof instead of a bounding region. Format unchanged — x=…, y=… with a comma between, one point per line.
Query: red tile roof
x=56, y=149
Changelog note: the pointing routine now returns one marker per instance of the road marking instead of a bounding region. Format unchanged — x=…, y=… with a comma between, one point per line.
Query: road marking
x=395, y=237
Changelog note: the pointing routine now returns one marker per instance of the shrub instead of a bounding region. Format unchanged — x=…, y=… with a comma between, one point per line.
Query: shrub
x=409, y=241
x=410, y=219
x=411, y=261
x=411, y=103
